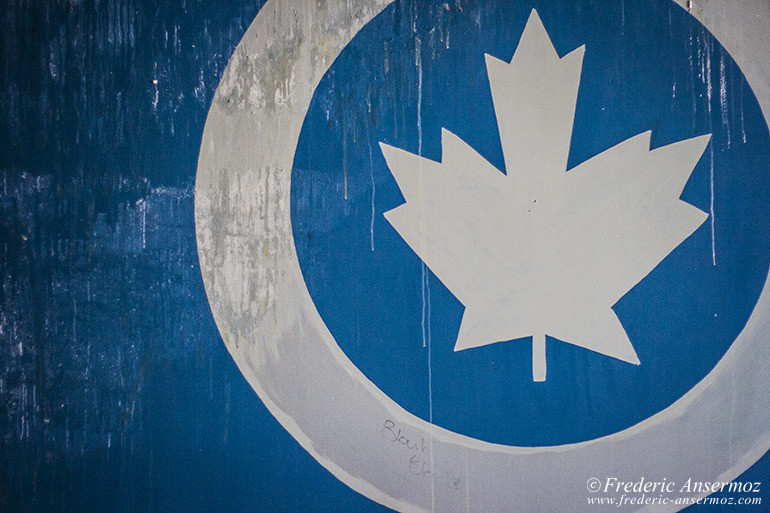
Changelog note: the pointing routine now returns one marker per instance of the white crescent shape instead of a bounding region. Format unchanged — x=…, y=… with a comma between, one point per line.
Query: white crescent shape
x=273, y=331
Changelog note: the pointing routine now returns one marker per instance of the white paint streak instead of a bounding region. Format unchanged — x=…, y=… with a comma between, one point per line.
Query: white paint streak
x=712, y=217
x=709, y=93
x=371, y=178
x=723, y=98
x=743, y=125
x=371, y=175
x=705, y=61
x=424, y=283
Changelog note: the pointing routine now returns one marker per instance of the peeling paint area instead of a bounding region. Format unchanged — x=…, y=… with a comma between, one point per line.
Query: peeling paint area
x=116, y=392
x=88, y=326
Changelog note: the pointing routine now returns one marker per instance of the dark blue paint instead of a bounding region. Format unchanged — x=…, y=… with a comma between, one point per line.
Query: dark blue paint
x=370, y=290
x=137, y=405
x=132, y=402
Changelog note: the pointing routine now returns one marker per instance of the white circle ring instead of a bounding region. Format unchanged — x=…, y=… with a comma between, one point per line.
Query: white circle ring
x=273, y=331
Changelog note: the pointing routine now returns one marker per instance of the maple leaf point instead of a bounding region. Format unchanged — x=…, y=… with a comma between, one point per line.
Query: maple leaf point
x=542, y=251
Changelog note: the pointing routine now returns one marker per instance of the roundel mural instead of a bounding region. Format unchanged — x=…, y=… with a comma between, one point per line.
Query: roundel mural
x=466, y=252
x=469, y=182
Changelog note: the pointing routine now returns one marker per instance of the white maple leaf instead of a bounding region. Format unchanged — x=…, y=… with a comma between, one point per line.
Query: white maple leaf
x=542, y=251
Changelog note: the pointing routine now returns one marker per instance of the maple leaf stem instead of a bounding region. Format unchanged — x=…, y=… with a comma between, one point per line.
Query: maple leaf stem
x=538, y=358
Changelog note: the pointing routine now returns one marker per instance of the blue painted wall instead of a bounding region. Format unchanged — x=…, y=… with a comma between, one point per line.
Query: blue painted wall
x=116, y=392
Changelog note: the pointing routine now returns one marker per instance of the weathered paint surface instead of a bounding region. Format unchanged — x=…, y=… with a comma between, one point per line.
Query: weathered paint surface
x=116, y=391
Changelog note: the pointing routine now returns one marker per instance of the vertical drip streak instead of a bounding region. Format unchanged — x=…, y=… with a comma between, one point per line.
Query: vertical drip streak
x=371, y=177
x=425, y=285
